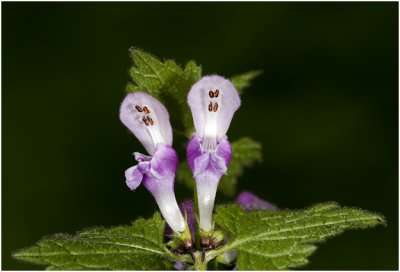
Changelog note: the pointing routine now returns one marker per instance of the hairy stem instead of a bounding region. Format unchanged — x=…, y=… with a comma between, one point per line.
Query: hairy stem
x=199, y=263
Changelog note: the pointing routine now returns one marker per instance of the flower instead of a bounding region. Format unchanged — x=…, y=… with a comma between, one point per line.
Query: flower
x=251, y=202
x=212, y=100
x=148, y=120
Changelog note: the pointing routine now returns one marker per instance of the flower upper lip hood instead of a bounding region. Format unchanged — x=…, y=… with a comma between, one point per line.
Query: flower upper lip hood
x=148, y=120
x=213, y=101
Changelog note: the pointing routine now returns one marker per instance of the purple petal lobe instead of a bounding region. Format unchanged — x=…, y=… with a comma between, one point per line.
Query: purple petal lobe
x=224, y=150
x=133, y=177
x=148, y=120
x=218, y=163
x=193, y=151
x=140, y=157
x=250, y=202
x=200, y=161
x=165, y=161
x=162, y=169
x=213, y=100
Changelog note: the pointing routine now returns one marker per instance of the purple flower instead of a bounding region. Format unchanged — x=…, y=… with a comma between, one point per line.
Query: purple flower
x=213, y=100
x=179, y=266
x=250, y=202
x=148, y=120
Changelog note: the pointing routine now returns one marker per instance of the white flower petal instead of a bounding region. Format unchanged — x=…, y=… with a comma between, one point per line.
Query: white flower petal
x=169, y=209
x=213, y=100
x=148, y=120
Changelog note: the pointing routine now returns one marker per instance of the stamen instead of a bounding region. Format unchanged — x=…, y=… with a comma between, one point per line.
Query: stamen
x=210, y=106
x=211, y=94
x=150, y=120
x=215, y=107
x=146, y=110
x=216, y=93
x=145, y=121
x=138, y=108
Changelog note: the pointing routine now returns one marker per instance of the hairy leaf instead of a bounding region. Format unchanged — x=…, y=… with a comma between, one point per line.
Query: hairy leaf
x=243, y=81
x=269, y=240
x=135, y=247
x=168, y=82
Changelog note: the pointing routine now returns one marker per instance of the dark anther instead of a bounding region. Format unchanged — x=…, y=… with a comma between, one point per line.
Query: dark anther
x=188, y=245
x=205, y=242
x=150, y=120
x=146, y=122
x=215, y=107
x=203, y=255
x=210, y=106
x=216, y=93
x=138, y=108
x=146, y=110
x=211, y=94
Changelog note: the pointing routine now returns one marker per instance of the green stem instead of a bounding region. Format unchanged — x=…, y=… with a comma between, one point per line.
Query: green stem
x=196, y=212
x=215, y=264
x=199, y=265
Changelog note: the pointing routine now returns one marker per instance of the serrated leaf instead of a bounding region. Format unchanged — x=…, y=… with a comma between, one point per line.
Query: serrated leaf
x=168, y=82
x=269, y=240
x=243, y=81
x=245, y=152
x=135, y=247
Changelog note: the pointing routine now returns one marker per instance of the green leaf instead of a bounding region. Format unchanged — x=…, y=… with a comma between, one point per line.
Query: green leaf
x=168, y=82
x=135, y=247
x=243, y=81
x=269, y=240
x=245, y=152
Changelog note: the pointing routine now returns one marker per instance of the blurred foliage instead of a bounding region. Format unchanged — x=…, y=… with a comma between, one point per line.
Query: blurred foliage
x=243, y=81
x=245, y=152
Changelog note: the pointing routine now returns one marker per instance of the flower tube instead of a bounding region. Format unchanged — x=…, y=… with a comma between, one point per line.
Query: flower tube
x=213, y=100
x=148, y=120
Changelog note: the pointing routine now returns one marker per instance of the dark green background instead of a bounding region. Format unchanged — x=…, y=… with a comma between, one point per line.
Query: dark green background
x=325, y=110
